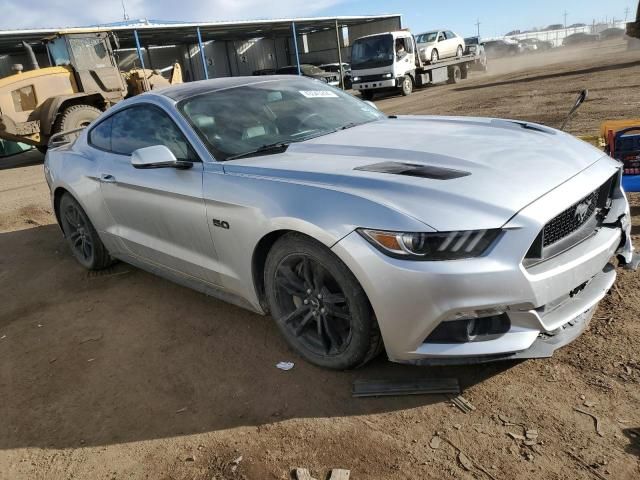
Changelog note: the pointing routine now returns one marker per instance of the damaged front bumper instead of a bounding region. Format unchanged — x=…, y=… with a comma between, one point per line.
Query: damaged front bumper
x=542, y=307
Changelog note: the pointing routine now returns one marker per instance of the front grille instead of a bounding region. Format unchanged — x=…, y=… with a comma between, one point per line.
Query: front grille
x=372, y=78
x=571, y=219
x=573, y=225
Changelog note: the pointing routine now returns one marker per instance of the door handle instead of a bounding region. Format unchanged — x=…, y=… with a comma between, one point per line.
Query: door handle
x=107, y=178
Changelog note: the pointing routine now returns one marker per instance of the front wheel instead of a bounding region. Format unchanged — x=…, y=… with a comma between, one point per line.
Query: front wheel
x=367, y=94
x=406, y=86
x=435, y=56
x=318, y=304
x=81, y=236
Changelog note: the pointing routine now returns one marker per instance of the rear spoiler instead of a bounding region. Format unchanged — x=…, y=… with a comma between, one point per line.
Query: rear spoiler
x=62, y=138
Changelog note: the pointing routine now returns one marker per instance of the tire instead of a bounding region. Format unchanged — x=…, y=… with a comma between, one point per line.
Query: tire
x=464, y=71
x=435, y=56
x=75, y=116
x=459, y=52
x=455, y=74
x=301, y=276
x=406, y=87
x=367, y=94
x=81, y=236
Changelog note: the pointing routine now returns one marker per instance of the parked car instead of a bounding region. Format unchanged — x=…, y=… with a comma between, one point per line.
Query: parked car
x=580, y=39
x=475, y=47
x=439, y=44
x=535, y=45
x=300, y=201
x=611, y=33
x=311, y=71
x=502, y=48
x=555, y=26
x=264, y=71
x=335, y=68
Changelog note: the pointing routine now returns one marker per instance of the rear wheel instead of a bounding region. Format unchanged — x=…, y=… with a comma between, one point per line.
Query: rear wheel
x=367, y=94
x=407, y=85
x=455, y=74
x=81, y=236
x=318, y=304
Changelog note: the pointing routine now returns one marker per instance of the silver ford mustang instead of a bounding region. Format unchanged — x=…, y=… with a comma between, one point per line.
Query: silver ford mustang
x=437, y=239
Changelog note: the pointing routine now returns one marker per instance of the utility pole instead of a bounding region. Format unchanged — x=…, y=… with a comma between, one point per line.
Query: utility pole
x=626, y=14
x=478, y=25
x=565, y=19
x=125, y=15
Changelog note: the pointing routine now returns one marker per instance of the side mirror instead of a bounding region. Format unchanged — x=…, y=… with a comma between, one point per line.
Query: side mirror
x=157, y=156
x=371, y=104
x=441, y=38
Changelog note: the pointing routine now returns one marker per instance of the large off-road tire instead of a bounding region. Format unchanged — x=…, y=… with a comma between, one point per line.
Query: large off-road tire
x=406, y=87
x=318, y=304
x=367, y=94
x=75, y=116
x=81, y=236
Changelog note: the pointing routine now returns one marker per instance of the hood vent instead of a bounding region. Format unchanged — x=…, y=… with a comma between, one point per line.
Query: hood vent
x=414, y=170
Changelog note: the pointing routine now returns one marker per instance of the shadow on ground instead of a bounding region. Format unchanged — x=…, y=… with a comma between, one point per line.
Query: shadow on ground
x=548, y=76
x=31, y=157
x=125, y=356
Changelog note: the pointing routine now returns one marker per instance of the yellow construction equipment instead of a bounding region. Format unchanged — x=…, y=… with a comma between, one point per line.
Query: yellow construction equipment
x=36, y=104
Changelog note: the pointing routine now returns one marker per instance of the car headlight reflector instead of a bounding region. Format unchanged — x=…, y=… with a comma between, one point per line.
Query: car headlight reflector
x=355, y=79
x=432, y=246
x=387, y=75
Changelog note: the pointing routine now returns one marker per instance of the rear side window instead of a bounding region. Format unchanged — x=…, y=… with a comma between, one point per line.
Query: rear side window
x=100, y=135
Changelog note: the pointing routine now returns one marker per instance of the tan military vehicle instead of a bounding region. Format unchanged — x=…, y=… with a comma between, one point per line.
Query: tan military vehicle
x=84, y=81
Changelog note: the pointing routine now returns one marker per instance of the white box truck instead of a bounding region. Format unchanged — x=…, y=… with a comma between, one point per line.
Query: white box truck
x=391, y=61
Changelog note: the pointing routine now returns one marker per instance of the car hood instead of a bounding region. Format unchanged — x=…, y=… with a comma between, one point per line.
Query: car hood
x=479, y=172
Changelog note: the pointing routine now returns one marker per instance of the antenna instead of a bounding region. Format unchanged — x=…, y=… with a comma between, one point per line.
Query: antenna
x=125, y=15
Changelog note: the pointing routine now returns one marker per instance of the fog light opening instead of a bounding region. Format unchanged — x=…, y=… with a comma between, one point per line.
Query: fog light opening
x=474, y=329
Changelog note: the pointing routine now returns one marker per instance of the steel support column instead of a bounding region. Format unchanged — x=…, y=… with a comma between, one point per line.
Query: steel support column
x=340, y=69
x=204, y=62
x=295, y=44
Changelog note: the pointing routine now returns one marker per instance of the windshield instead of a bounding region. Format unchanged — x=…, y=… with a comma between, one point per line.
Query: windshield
x=429, y=37
x=241, y=120
x=372, y=52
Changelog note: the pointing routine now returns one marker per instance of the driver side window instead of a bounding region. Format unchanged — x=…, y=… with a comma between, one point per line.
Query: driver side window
x=146, y=126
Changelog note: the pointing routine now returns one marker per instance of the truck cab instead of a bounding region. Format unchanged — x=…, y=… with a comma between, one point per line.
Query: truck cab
x=384, y=61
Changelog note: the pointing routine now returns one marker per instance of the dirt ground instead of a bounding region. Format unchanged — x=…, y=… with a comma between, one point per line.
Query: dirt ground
x=125, y=375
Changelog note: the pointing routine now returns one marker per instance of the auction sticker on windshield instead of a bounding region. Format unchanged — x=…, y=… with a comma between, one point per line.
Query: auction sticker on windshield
x=318, y=94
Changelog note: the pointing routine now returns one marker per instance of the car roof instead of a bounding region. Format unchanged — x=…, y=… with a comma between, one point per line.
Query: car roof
x=192, y=89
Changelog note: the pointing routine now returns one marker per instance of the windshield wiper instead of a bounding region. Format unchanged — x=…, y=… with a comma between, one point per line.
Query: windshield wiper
x=277, y=147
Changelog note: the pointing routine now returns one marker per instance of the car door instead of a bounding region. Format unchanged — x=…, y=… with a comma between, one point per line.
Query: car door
x=158, y=213
x=452, y=43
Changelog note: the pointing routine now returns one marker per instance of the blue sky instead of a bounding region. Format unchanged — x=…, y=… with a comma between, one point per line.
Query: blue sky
x=497, y=17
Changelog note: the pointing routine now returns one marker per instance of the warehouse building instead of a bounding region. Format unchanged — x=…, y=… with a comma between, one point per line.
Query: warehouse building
x=215, y=49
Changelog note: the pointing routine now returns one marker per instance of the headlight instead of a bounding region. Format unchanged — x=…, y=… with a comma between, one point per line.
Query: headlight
x=387, y=75
x=355, y=79
x=432, y=246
